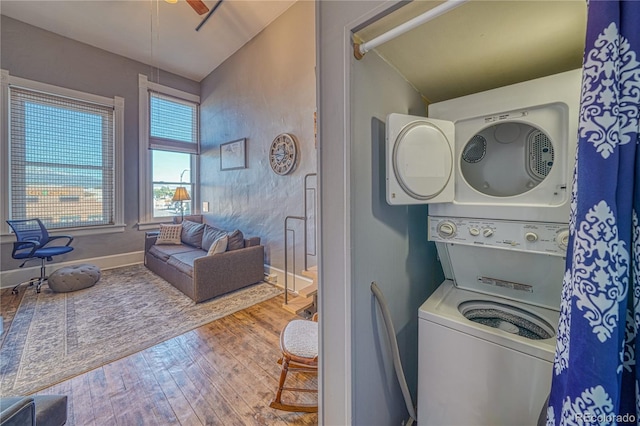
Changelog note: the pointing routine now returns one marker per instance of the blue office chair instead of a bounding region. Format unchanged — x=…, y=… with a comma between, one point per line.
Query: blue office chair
x=32, y=241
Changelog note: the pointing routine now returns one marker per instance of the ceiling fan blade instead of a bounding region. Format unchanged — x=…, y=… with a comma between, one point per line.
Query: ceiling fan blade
x=198, y=6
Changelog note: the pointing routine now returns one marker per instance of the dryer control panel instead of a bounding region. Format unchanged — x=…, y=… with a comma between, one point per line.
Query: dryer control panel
x=538, y=237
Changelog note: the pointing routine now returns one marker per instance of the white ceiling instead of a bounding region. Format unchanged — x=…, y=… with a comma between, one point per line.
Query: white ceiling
x=153, y=31
x=483, y=44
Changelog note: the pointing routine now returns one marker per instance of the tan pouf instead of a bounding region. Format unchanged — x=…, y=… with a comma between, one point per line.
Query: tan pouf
x=75, y=277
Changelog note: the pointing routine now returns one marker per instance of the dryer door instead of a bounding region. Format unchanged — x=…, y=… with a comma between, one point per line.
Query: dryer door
x=420, y=160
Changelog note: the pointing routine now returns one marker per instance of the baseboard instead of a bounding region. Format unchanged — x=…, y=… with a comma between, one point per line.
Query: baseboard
x=15, y=276
x=294, y=281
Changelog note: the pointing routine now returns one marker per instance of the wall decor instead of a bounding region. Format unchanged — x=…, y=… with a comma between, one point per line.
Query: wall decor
x=283, y=154
x=233, y=155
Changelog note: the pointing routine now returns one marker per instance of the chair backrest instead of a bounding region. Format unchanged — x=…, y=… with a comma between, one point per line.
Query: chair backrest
x=29, y=230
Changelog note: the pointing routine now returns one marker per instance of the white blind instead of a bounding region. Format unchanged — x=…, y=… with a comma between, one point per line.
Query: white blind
x=173, y=124
x=62, y=160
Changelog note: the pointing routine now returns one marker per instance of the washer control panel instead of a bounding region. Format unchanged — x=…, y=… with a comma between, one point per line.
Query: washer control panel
x=540, y=237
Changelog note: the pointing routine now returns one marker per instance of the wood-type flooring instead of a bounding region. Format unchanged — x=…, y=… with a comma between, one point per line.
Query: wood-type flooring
x=224, y=372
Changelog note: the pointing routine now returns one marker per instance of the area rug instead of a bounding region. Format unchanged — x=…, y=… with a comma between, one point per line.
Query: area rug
x=55, y=336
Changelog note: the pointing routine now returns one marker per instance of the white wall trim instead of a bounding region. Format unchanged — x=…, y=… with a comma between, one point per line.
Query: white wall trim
x=294, y=281
x=144, y=159
x=145, y=190
x=75, y=232
x=62, y=91
x=117, y=103
x=12, y=277
x=4, y=147
x=176, y=93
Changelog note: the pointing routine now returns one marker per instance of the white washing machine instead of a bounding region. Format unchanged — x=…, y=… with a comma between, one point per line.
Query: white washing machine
x=487, y=334
x=511, y=147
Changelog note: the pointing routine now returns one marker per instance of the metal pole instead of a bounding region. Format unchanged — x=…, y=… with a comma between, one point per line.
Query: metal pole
x=286, y=279
x=409, y=25
x=305, y=219
x=206, y=18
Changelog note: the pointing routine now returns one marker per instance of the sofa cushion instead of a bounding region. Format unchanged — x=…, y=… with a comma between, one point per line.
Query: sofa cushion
x=164, y=252
x=169, y=234
x=210, y=235
x=218, y=246
x=183, y=262
x=192, y=233
x=236, y=240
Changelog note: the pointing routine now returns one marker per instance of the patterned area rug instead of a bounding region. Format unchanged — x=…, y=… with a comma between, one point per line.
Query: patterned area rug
x=55, y=336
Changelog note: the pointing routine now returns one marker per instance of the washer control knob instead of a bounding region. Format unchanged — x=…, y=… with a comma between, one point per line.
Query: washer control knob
x=447, y=229
x=474, y=231
x=487, y=232
x=562, y=239
x=532, y=237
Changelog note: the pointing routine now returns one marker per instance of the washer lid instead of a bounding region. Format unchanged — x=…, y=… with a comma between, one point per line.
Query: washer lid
x=529, y=277
x=420, y=161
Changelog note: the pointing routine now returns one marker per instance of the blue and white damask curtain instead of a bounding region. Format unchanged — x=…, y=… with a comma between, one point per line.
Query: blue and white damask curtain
x=595, y=377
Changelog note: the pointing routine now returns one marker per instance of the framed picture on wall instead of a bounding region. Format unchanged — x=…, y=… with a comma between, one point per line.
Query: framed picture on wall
x=233, y=155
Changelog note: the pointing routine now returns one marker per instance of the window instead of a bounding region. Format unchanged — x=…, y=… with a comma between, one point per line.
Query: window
x=61, y=156
x=170, y=170
x=169, y=148
x=173, y=124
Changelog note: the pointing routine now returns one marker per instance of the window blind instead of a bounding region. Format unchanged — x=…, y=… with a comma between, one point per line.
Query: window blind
x=173, y=124
x=62, y=160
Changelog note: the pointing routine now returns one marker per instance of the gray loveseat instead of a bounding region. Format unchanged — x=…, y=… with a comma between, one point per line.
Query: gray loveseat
x=200, y=276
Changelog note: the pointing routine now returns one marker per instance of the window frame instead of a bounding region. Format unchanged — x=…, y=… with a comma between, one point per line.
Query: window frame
x=146, y=220
x=117, y=103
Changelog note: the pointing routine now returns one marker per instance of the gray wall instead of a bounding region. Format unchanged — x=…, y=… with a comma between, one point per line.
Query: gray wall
x=30, y=52
x=363, y=239
x=389, y=246
x=266, y=88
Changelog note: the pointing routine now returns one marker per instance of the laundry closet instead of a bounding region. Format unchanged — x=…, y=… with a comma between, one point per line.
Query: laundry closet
x=473, y=221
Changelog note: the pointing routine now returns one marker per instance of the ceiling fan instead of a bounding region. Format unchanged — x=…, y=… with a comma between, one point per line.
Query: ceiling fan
x=198, y=6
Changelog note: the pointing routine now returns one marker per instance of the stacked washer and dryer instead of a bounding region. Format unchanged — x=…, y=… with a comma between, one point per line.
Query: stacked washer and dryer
x=496, y=168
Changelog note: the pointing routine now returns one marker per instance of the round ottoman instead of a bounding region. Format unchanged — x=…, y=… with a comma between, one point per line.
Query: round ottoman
x=75, y=277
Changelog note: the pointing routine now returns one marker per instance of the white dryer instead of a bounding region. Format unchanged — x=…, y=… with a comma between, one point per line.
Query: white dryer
x=487, y=334
x=511, y=147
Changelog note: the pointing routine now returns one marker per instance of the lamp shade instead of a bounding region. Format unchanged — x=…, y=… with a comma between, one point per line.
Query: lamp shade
x=181, y=194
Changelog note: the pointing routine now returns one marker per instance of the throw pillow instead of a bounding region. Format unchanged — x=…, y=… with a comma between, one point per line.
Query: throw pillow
x=169, y=234
x=210, y=235
x=236, y=240
x=218, y=246
x=192, y=233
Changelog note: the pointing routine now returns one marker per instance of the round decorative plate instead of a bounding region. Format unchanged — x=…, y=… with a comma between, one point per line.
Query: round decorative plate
x=283, y=154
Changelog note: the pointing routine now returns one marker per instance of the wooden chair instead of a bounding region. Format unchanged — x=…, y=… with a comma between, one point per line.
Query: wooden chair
x=299, y=345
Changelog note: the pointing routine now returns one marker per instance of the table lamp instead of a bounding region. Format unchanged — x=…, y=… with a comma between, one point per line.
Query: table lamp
x=181, y=195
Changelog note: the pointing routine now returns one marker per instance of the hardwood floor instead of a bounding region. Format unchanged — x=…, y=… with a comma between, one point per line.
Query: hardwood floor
x=224, y=372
